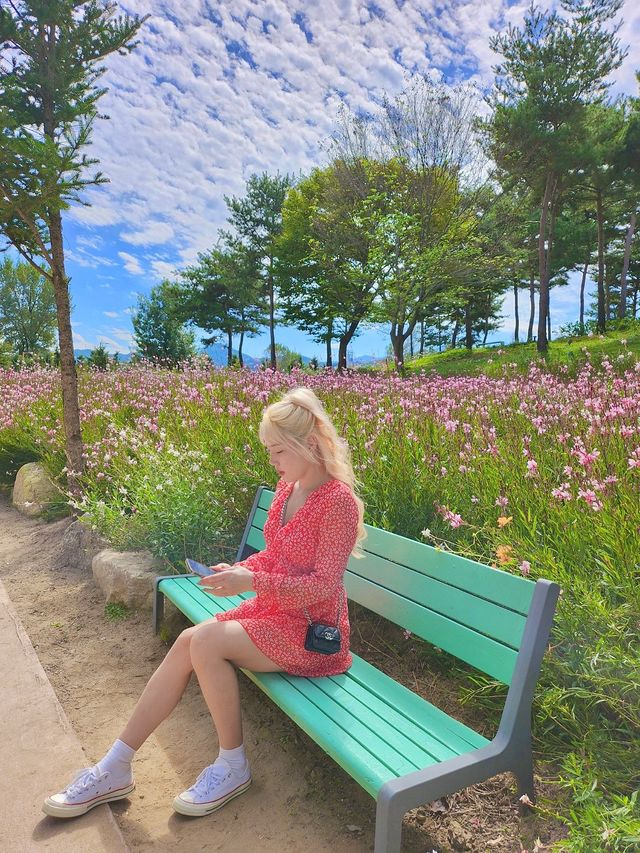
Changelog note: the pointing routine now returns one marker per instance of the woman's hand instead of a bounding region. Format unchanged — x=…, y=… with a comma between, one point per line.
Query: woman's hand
x=228, y=581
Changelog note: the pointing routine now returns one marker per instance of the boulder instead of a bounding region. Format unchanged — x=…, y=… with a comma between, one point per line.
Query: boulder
x=80, y=544
x=126, y=577
x=33, y=491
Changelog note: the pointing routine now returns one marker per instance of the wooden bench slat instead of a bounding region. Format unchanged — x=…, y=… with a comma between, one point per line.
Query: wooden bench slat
x=399, y=730
x=484, y=616
x=358, y=762
x=493, y=585
x=374, y=742
x=255, y=538
x=334, y=694
x=482, y=652
x=455, y=735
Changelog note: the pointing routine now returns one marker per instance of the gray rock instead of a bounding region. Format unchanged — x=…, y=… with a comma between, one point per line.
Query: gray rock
x=126, y=577
x=80, y=544
x=33, y=491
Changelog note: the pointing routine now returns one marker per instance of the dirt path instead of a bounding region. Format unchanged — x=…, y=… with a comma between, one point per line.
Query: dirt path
x=300, y=801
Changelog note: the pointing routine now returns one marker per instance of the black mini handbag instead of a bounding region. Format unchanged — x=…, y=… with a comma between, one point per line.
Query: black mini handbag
x=323, y=639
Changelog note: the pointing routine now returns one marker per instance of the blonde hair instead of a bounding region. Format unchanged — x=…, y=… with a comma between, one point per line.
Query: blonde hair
x=300, y=415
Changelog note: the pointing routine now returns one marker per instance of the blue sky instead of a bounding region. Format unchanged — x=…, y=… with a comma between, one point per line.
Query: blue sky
x=217, y=91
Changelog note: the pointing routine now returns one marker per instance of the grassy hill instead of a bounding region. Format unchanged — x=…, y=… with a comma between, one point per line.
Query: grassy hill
x=571, y=351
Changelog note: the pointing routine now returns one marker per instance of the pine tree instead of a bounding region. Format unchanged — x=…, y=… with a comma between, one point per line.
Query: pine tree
x=49, y=68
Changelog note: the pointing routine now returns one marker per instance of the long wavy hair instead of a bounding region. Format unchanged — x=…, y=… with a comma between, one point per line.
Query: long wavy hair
x=296, y=418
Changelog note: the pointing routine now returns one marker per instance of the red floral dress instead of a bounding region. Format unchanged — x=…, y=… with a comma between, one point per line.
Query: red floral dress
x=302, y=566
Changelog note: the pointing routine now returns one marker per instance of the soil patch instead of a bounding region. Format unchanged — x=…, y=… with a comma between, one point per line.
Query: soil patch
x=300, y=800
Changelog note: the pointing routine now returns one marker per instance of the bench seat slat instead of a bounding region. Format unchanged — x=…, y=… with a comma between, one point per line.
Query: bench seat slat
x=458, y=737
x=480, y=651
x=379, y=715
x=372, y=728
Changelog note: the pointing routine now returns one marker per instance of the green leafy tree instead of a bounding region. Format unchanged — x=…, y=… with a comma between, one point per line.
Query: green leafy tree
x=257, y=220
x=27, y=308
x=50, y=55
x=223, y=293
x=99, y=357
x=327, y=279
x=158, y=329
x=552, y=68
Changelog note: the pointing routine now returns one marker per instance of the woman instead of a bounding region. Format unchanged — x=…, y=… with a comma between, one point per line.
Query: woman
x=314, y=524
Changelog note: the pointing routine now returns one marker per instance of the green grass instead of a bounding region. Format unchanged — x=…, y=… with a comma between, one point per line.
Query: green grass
x=114, y=611
x=563, y=352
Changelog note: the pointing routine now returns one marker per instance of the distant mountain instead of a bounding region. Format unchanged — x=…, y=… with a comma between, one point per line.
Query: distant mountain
x=364, y=359
x=218, y=355
x=122, y=356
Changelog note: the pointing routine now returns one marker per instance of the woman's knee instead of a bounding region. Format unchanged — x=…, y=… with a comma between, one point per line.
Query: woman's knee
x=206, y=639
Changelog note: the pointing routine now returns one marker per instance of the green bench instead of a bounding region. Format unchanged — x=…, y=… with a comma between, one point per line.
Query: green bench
x=402, y=749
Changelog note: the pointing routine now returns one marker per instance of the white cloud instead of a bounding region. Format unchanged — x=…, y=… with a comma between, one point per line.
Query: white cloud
x=131, y=264
x=199, y=105
x=155, y=232
x=162, y=269
x=112, y=314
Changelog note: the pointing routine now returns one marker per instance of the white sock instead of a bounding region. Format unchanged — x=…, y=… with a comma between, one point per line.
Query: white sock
x=118, y=760
x=235, y=758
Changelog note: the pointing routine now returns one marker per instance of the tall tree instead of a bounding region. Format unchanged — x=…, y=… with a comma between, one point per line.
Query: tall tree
x=27, y=308
x=257, y=220
x=328, y=280
x=552, y=68
x=50, y=52
x=628, y=166
x=158, y=328
x=223, y=293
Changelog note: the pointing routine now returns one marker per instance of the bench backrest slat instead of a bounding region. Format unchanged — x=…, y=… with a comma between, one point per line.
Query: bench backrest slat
x=475, y=612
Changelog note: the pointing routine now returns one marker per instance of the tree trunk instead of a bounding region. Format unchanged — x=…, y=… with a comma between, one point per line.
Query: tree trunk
x=516, y=332
x=69, y=378
x=454, y=336
x=544, y=253
x=422, y=336
x=549, y=324
x=229, y=349
x=468, y=328
x=240, y=349
x=635, y=301
x=345, y=340
x=532, y=306
x=582, y=287
x=622, y=305
x=601, y=323
x=272, y=327
x=70, y=407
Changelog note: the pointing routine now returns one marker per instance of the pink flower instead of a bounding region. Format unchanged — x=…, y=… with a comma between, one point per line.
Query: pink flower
x=502, y=500
x=525, y=567
x=532, y=468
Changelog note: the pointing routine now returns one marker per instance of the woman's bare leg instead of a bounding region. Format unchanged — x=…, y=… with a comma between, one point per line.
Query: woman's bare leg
x=215, y=648
x=162, y=693
x=211, y=648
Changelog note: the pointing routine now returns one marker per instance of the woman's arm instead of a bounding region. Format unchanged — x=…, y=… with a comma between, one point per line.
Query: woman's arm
x=336, y=538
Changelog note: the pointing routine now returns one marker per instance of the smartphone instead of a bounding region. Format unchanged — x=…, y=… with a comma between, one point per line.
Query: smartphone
x=198, y=568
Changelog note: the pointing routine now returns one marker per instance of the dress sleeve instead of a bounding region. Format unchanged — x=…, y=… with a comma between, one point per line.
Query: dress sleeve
x=336, y=539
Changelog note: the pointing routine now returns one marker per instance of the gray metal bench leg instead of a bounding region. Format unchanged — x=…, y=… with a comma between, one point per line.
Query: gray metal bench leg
x=158, y=603
x=389, y=814
x=523, y=772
